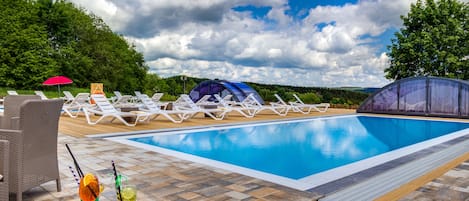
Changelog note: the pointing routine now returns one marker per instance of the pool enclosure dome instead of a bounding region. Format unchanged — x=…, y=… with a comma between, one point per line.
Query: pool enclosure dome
x=239, y=90
x=422, y=96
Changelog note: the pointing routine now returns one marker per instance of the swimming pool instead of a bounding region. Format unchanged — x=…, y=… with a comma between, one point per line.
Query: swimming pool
x=302, y=153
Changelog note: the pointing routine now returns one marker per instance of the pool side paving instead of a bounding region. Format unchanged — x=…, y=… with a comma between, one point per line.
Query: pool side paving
x=162, y=177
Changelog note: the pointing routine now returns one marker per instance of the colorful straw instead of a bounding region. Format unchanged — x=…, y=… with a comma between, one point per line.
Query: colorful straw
x=80, y=173
x=117, y=182
x=74, y=175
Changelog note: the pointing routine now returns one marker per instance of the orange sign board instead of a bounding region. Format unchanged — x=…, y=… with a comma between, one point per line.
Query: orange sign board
x=96, y=88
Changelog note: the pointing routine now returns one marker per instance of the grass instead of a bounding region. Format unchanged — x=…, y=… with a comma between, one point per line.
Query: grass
x=50, y=92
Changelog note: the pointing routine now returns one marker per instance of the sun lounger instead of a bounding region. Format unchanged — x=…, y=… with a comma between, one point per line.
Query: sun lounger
x=68, y=97
x=205, y=100
x=251, y=102
x=300, y=106
x=11, y=92
x=150, y=107
x=78, y=103
x=124, y=101
x=106, y=109
x=248, y=112
x=185, y=103
x=41, y=94
x=156, y=98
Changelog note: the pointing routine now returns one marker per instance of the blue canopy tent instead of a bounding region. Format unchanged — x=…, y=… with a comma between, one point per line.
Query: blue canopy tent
x=239, y=90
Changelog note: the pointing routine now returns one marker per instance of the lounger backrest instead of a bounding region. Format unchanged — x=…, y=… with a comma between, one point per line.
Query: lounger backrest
x=41, y=94
x=203, y=99
x=221, y=101
x=156, y=97
x=298, y=99
x=124, y=99
x=118, y=94
x=137, y=93
x=186, y=101
x=227, y=97
x=69, y=96
x=103, y=104
x=10, y=92
x=148, y=103
x=81, y=98
x=250, y=100
x=280, y=99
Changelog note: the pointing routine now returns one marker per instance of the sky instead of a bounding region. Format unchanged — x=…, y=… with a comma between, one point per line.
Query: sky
x=316, y=43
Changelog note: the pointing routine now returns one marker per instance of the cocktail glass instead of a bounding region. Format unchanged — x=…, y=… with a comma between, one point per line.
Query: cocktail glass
x=129, y=192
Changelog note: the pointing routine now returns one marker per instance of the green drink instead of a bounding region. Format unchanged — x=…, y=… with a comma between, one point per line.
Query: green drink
x=129, y=193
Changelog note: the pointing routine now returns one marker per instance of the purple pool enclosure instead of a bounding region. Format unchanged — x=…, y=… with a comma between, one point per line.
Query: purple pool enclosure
x=239, y=90
x=422, y=96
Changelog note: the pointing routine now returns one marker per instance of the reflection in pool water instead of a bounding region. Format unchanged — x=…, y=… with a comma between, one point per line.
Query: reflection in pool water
x=299, y=149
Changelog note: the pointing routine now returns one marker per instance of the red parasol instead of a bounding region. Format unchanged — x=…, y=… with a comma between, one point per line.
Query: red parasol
x=57, y=80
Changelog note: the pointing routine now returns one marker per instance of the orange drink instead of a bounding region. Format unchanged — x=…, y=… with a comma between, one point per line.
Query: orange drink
x=89, y=189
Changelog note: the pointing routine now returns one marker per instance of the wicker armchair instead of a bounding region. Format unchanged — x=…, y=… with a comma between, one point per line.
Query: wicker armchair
x=4, y=166
x=33, y=146
x=11, y=112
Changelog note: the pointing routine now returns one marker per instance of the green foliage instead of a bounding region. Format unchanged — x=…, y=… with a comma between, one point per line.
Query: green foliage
x=323, y=94
x=310, y=98
x=43, y=38
x=434, y=41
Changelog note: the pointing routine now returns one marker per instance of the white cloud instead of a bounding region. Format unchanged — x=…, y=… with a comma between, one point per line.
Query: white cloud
x=207, y=38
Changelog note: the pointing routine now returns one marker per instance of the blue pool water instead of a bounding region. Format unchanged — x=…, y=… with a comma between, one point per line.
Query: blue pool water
x=299, y=149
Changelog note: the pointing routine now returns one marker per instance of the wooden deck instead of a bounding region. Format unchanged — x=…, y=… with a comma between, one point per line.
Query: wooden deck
x=78, y=127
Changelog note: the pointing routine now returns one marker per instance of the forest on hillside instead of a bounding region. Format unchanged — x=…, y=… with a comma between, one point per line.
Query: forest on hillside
x=44, y=38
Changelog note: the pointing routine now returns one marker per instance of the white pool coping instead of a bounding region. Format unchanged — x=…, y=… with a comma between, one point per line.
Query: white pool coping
x=305, y=183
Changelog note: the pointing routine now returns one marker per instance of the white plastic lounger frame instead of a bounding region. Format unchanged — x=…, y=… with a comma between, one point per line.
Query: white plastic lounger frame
x=299, y=106
x=278, y=109
x=150, y=107
x=105, y=109
x=204, y=100
x=68, y=97
x=78, y=103
x=245, y=111
x=156, y=98
x=184, y=103
x=41, y=94
x=11, y=92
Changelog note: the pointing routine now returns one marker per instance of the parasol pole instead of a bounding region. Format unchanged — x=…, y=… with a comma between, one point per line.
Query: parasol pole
x=59, y=89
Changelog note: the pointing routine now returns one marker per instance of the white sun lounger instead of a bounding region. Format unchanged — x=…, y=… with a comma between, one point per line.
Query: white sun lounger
x=77, y=104
x=299, y=106
x=204, y=100
x=278, y=109
x=12, y=92
x=68, y=97
x=248, y=112
x=105, y=109
x=157, y=99
x=41, y=94
x=150, y=107
x=184, y=103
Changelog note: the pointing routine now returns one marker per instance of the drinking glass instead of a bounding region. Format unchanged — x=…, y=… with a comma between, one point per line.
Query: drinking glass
x=129, y=192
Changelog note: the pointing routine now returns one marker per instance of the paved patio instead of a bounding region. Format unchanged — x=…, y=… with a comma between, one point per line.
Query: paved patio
x=161, y=177
x=158, y=177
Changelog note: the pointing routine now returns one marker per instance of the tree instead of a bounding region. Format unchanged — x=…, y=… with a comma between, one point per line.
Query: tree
x=433, y=42
x=24, y=49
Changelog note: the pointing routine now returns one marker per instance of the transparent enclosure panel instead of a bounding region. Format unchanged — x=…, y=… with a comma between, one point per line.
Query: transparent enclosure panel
x=386, y=100
x=443, y=97
x=412, y=96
